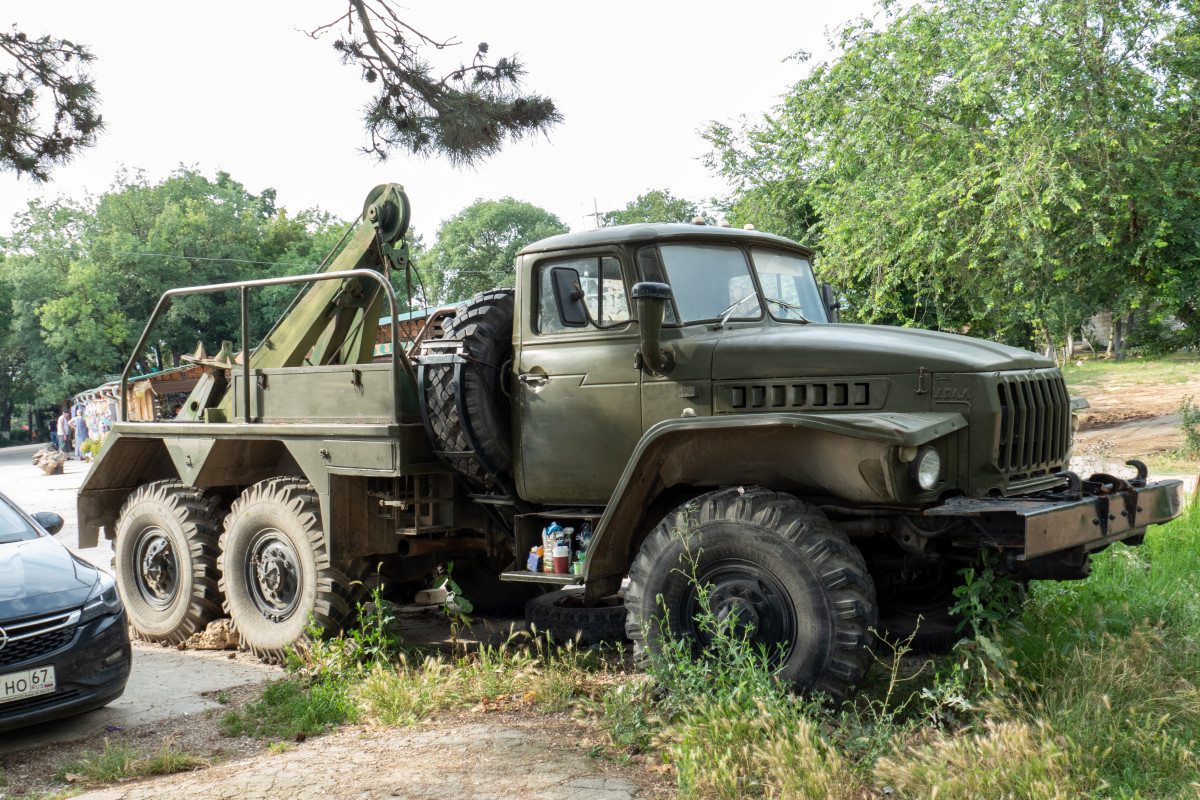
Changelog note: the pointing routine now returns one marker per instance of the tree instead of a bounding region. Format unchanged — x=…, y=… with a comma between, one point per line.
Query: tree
x=477, y=248
x=972, y=161
x=466, y=114
x=79, y=281
x=658, y=205
x=34, y=73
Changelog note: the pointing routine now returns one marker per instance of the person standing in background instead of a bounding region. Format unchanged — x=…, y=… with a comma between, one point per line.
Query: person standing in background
x=62, y=427
x=79, y=424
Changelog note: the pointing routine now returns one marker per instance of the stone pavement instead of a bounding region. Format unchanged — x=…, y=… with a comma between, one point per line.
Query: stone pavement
x=480, y=761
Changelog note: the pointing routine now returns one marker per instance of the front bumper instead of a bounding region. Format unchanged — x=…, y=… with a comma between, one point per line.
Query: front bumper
x=1090, y=515
x=91, y=671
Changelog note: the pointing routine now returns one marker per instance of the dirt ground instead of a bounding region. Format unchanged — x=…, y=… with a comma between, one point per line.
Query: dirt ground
x=1131, y=420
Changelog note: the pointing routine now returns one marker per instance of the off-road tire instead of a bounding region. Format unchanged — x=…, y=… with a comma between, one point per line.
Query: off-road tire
x=776, y=561
x=181, y=525
x=563, y=615
x=281, y=516
x=485, y=325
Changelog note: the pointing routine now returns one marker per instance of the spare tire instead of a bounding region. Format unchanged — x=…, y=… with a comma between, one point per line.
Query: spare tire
x=564, y=616
x=484, y=324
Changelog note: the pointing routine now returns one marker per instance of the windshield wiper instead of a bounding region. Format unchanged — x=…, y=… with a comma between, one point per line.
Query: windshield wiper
x=799, y=317
x=729, y=311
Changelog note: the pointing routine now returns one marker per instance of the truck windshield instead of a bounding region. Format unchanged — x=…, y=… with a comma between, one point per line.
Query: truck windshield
x=709, y=282
x=790, y=288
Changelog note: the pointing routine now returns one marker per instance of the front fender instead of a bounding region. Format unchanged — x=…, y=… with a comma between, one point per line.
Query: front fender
x=847, y=457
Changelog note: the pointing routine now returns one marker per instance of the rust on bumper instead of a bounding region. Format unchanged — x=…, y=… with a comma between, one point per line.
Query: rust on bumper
x=1090, y=522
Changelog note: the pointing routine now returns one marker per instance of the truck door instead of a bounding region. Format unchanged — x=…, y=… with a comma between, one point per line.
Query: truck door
x=577, y=402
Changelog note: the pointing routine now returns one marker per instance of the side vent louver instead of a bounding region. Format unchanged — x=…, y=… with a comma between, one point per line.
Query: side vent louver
x=791, y=396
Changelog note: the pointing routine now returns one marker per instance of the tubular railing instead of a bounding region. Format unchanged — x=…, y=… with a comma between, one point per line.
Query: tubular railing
x=398, y=358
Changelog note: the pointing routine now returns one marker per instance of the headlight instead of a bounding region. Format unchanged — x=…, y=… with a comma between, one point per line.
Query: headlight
x=927, y=468
x=103, y=599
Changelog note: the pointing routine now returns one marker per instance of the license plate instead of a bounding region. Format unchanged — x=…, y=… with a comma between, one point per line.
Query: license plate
x=30, y=683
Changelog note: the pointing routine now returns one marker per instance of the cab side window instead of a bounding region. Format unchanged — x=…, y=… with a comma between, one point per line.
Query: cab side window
x=603, y=293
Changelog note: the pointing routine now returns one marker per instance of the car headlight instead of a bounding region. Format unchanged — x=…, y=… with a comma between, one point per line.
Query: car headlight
x=103, y=599
x=927, y=468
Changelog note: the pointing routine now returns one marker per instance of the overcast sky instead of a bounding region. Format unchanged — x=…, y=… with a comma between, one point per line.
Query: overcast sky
x=237, y=86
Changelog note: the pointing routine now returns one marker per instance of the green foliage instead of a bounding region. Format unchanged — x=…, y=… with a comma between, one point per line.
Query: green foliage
x=967, y=159
x=291, y=707
x=658, y=205
x=119, y=762
x=476, y=249
x=79, y=280
x=986, y=602
x=1189, y=423
x=36, y=75
x=466, y=114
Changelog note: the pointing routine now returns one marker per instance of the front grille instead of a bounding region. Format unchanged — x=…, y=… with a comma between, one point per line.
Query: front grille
x=33, y=638
x=1035, y=422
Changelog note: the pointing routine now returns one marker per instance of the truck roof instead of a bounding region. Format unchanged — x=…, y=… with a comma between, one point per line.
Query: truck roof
x=626, y=234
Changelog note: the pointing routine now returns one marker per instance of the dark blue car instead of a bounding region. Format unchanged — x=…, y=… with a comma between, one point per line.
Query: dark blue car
x=64, y=639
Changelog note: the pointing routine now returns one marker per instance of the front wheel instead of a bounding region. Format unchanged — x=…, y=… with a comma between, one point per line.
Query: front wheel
x=776, y=570
x=275, y=568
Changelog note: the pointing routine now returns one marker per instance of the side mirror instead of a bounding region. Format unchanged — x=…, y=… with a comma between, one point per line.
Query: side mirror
x=49, y=520
x=830, y=299
x=651, y=299
x=568, y=297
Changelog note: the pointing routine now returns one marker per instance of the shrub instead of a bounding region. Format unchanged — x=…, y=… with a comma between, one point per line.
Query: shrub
x=1189, y=423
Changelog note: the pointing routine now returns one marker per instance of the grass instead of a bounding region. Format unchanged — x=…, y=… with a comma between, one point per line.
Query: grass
x=1135, y=370
x=1102, y=702
x=293, y=708
x=1095, y=693
x=117, y=762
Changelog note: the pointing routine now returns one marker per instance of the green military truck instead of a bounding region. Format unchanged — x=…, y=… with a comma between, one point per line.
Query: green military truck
x=684, y=389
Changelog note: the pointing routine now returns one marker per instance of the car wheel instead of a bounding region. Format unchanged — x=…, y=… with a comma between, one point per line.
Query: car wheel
x=275, y=568
x=776, y=568
x=165, y=559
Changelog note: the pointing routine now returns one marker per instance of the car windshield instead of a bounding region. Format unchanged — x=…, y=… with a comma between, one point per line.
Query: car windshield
x=13, y=526
x=709, y=282
x=788, y=283
x=713, y=282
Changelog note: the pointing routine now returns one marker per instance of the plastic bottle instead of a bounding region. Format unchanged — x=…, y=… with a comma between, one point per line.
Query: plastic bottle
x=585, y=536
x=549, y=538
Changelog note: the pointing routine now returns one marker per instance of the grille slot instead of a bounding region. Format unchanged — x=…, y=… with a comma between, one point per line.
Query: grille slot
x=1035, y=415
x=801, y=396
x=33, y=638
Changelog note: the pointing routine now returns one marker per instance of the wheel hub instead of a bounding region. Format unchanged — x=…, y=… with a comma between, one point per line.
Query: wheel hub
x=738, y=606
x=747, y=602
x=273, y=575
x=158, y=570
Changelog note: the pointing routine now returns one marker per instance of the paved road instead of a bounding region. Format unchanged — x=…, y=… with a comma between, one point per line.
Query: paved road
x=165, y=683
x=34, y=491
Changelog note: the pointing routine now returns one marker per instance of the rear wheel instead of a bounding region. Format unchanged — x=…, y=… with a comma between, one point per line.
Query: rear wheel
x=776, y=570
x=275, y=568
x=166, y=560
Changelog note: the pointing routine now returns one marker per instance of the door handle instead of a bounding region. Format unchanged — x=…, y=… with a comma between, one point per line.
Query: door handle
x=533, y=379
